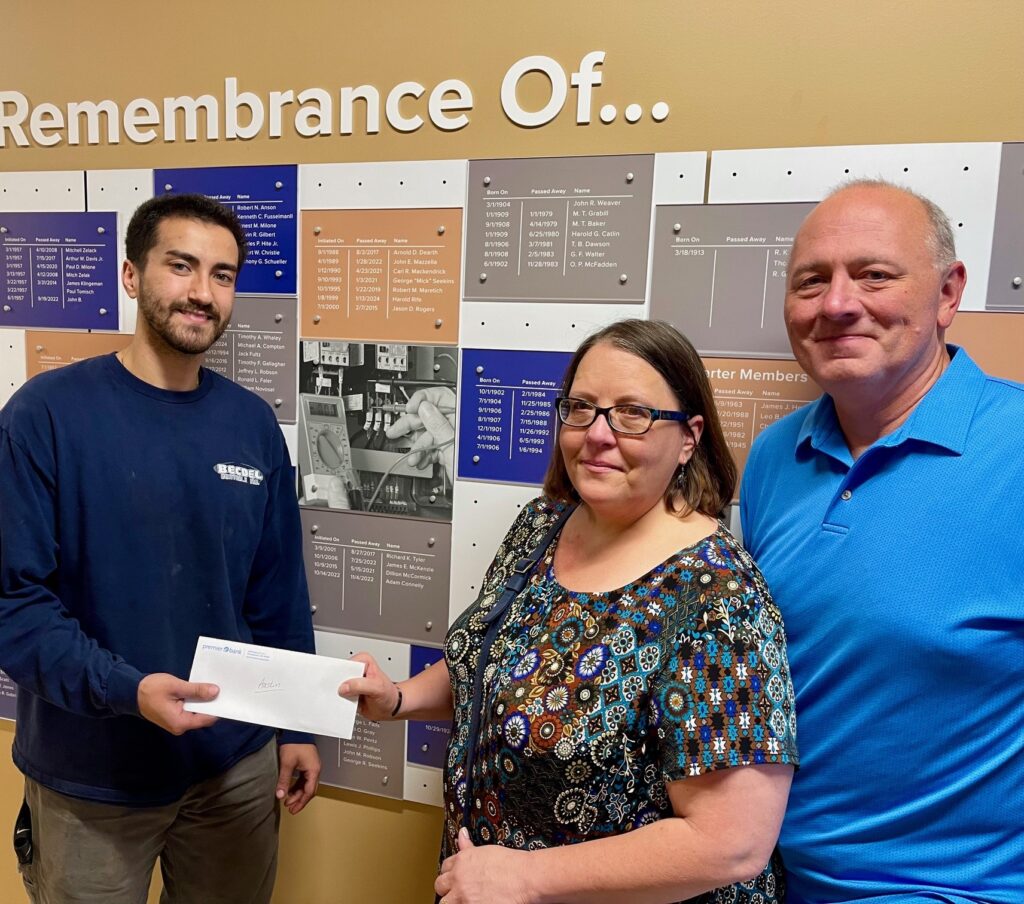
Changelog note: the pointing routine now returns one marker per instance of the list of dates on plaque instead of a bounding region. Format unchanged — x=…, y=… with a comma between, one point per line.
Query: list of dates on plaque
x=751, y=395
x=378, y=576
x=59, y=270
x=559, y=229
x=719, y=275
x=259, y=350
x=507, y=417
x=382, y=274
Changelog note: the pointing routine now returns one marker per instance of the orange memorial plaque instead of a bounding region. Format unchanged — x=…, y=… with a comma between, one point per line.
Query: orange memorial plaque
x=994, y=340
x=51, y=349
x=753, y=394
x=381, y=275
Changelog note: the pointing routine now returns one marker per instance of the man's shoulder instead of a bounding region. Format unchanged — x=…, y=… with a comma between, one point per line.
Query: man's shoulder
x=63, y=385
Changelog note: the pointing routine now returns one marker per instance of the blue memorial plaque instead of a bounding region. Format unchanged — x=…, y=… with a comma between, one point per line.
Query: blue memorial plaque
x=427, y=741
x=506, y=413
x=266, y=201
x=59, y=270
x=9, y=697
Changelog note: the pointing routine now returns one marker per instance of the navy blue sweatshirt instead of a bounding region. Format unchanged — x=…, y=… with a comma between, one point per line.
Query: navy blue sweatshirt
x=132, y=520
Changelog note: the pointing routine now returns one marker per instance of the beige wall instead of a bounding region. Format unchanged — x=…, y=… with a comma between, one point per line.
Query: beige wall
x=736, y=74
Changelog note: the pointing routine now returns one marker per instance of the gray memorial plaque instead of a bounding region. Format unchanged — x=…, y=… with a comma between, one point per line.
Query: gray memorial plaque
x=378, y=576
x=259, y=351
x=8, y=697
x=1006, y=271
x=719, y=275
x=372, y=761
x=559, y=229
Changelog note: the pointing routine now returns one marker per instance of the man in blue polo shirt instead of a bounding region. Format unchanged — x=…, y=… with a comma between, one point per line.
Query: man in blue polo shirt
x=887, y=518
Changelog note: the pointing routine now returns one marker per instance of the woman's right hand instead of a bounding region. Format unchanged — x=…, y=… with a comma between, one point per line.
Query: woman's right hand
x=377, y=693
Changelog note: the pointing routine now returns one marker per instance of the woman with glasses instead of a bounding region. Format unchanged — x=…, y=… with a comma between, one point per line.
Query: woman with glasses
x=623, y=714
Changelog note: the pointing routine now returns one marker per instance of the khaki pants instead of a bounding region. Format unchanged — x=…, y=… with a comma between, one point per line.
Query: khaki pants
x=217, y=845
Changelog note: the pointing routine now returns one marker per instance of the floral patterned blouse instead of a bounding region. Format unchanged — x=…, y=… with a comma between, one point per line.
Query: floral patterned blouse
x=593, y=701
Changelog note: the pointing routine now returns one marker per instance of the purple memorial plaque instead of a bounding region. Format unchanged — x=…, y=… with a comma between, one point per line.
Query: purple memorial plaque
x=59, y=270
x=426, y=741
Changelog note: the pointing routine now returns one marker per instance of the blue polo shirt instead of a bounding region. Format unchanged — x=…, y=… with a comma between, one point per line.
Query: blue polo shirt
x=901, y=580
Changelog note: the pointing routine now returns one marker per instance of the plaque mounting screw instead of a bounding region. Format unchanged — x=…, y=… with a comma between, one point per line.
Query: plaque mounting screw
x=476, y=459
x=433, y=497
x=312, y=608
x=278, y=318
x=487, y=180
x=437, y=367
x=429, y=626
x=3, y=230
x=630, y=177
x=677, y=227
x=316, y=318
x=440, y=230
x=425, y=748
x=278, y=403
x=278, y=274
x=7, y=309
x=384, y=780
x=437, y=323
x=103, y=311
x=101, y=230
x=623, y=278
x=316, y=230
x=39, y=348
x=479, y=368
x=168, y=186
x=278, y=185
x=483, y=277
x=431, y=541
x=314, y=528
x=1017, y=281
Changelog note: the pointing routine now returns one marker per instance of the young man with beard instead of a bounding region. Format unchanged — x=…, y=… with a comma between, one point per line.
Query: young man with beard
x=144, y=501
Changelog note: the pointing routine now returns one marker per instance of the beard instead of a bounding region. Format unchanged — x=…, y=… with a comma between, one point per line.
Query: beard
x=186, y=338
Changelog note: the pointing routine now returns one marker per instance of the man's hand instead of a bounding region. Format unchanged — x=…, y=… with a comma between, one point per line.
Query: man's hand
x=484, y=875
x=430, y=418
x=162, y=699
x=300, y=762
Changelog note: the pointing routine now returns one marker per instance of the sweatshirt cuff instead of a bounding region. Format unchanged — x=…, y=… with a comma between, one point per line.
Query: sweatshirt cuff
x=295, y=737
x=123, y=689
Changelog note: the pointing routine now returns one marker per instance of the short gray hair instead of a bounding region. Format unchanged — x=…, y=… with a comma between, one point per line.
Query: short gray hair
x=941, y=242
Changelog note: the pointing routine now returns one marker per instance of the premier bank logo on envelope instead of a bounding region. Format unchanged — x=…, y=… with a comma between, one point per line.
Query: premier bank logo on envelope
x=277, y=688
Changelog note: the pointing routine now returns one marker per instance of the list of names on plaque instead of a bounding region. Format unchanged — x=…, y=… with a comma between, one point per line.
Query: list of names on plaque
x=382, y=577
x=58, y=270
x=381, y=274
x=259, y=350
x=559, y=229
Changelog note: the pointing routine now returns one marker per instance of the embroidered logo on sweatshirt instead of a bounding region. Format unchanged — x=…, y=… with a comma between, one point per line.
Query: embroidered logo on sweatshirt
x=240, y=473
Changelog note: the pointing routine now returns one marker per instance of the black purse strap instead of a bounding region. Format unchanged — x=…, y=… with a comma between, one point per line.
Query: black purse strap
x=494, y=619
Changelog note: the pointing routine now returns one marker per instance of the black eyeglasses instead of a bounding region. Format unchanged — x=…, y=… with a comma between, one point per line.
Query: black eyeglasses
x=629, y=419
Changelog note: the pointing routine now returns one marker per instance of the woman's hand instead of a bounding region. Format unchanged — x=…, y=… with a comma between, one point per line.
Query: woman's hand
x=489, y=874
x=378, y=694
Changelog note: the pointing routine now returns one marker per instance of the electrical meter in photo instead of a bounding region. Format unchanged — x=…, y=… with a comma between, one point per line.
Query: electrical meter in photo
x=377, y=428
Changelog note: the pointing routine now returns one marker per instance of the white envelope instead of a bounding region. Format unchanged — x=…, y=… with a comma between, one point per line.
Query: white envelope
x=279, y=688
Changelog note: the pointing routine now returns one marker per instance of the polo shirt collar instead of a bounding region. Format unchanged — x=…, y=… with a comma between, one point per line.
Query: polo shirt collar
x=942, y=418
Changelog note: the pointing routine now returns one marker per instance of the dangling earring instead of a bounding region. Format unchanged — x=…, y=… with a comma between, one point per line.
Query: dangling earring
x=681, y=477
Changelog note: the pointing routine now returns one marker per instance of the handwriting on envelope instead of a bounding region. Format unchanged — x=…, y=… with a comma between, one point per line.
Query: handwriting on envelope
x=279, y=688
